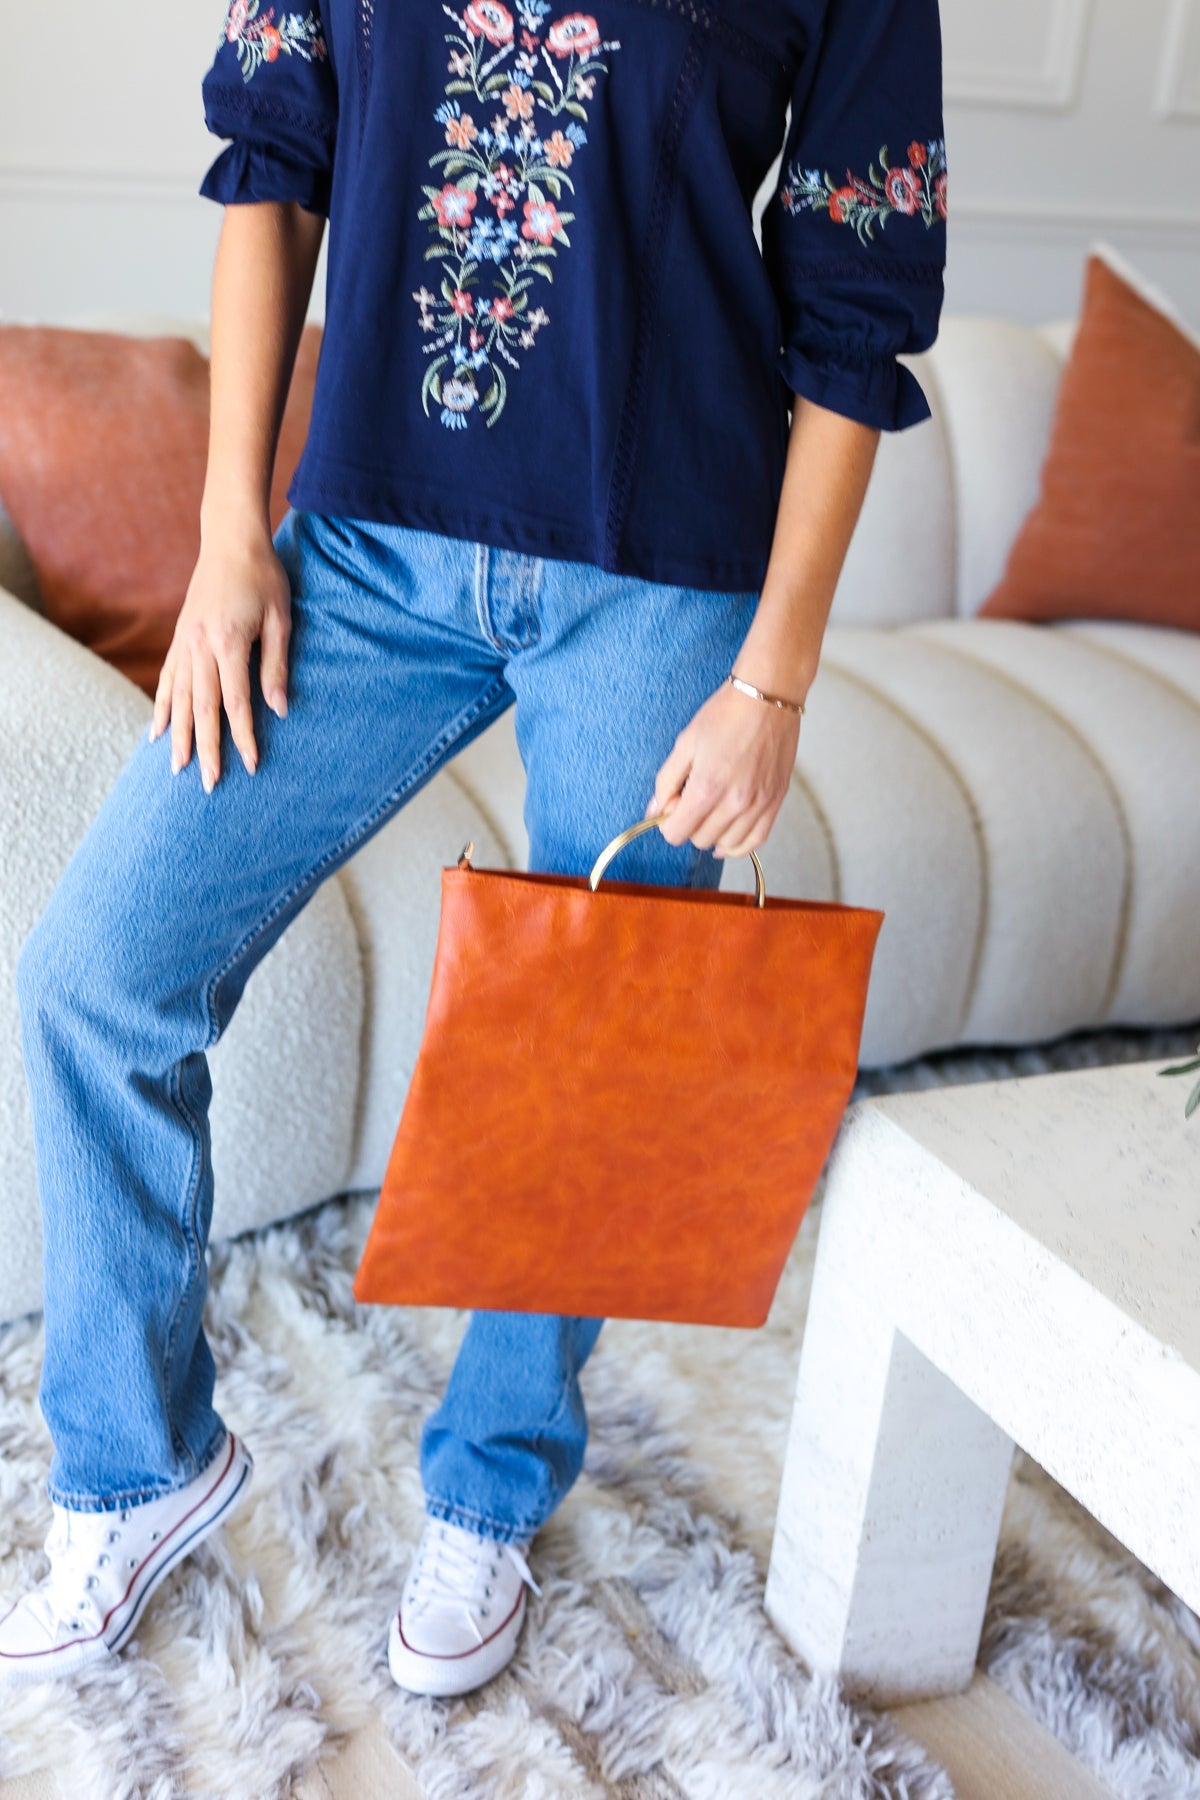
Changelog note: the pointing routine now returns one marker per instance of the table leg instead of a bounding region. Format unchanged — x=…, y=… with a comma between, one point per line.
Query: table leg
x=890, y=1507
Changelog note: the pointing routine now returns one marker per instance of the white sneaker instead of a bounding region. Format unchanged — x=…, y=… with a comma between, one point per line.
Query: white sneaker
x=104, y=1566
x=460, y=1614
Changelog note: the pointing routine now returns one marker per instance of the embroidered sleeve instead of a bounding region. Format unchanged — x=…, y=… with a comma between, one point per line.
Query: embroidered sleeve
x=855, y=234
x=271, y=90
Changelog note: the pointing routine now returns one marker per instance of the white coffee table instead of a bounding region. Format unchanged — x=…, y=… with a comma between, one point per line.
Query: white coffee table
x=1000, y=1262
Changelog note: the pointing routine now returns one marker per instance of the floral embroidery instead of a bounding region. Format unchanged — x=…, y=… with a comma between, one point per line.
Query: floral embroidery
x=915, y=188
x=504, y=180
x=259, y=39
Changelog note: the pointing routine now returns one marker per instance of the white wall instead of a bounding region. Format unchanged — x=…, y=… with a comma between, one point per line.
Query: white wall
x=1067, y=120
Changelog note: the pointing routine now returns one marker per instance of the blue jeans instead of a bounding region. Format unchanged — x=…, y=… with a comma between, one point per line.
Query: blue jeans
x=405, y=645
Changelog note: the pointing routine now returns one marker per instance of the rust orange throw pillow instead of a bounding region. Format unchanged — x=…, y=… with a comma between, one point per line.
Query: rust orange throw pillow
x=103, y=443
x=1115, y=533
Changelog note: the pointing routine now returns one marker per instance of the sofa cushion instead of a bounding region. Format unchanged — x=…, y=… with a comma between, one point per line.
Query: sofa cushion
x=103, y=445
x=1115, y=532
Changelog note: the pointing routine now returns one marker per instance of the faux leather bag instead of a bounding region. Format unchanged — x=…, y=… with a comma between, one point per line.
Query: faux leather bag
x=624, y=1097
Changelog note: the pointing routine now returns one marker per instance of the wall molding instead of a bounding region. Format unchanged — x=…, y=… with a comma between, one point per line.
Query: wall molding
x=1177, y=90
x=74, y=186
x=1052, y=84
x=87, y=188
x=88, y=184
x=1056, y=216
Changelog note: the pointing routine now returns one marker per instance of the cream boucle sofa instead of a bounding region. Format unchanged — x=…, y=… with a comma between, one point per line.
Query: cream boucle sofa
x=1015, y=797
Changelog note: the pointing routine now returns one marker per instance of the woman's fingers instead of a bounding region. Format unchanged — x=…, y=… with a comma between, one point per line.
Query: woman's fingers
x=273, y=667
x=736, y=825
x=234, y=672
x=198, y=683
x=671, y=777
x=723, y=818
x=181, y=714
x=747, y=833
x=206, y=704
x=162, y=696
x=239, y=595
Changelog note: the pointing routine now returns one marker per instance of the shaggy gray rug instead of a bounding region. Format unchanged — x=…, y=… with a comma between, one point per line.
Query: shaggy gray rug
x=648, y=1670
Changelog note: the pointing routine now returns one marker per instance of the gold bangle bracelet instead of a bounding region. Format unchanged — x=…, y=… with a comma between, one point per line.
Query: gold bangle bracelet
x=747, y=687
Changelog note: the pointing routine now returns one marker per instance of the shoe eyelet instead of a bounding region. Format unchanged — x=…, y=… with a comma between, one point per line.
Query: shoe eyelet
x=488, y=1592
x=154, y=1536
x=124, y=1517
x=90, y=1583
x=483, y=1612
x=133, y=1563
x=113, y=1537
x=102, y=1561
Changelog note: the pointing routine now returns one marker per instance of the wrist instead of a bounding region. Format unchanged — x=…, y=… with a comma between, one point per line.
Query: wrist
x=779, y=702
x=787, y=676
x=236, y=518
x=782, y=648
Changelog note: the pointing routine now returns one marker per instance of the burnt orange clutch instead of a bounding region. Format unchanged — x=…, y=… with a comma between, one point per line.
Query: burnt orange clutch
x=624, y=1097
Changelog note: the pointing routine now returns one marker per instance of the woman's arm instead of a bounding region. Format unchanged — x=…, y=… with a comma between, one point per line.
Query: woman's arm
x=266, y=260
x=728, y=773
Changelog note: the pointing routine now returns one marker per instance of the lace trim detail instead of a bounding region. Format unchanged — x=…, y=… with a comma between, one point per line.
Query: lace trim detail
x=366, y=46
x=896, y=268
x=708, y=19
x=266, y=106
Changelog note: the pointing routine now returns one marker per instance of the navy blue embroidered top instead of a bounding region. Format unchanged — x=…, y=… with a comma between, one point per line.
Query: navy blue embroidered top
x=549, y=325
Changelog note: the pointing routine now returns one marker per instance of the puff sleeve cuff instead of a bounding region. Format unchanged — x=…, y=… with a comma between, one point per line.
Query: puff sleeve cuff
x=884, y=393
x=246, y=171
x=854, y=237
x=271, y=90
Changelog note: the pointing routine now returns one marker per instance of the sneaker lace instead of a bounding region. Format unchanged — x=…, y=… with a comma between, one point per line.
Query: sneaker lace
x=449, y=1569
x=71, y=1596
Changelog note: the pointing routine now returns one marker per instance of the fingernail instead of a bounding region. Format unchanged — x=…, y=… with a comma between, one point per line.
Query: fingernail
x=652, y=809
x=207, y=779
x=176, y=765
x=153, y=731
x=278, y=704
x=251, y=764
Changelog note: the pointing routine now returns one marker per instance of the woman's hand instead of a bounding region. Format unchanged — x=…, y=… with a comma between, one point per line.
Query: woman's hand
x=727, y=775
x=239, y=593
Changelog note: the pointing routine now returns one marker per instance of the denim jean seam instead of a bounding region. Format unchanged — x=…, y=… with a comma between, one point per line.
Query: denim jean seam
x=553, y=1496
x=195, y=1256
x=75, y=1500
x=310, y=879
x=525, y=595
x=483, y=612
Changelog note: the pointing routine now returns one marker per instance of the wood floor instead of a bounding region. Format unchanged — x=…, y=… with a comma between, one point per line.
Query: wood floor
x=993, y=1750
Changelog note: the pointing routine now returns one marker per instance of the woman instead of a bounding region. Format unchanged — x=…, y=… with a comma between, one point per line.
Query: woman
x=550, y=463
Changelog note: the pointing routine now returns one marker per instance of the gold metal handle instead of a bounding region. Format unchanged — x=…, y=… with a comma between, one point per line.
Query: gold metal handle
x=627, y=837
